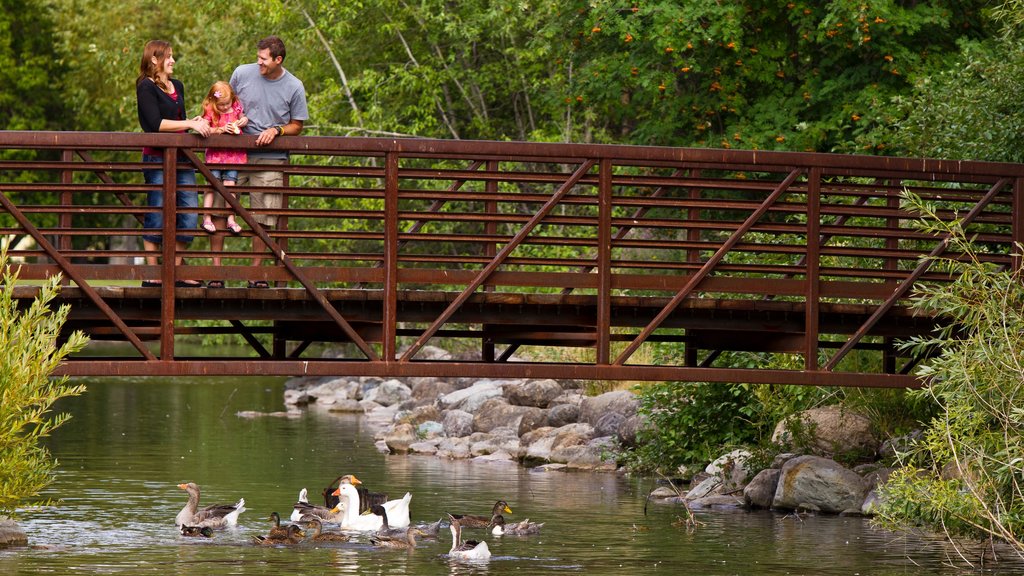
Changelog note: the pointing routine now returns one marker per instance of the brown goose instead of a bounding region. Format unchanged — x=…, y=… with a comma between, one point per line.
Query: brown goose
x=473, y=521
x=215, y=516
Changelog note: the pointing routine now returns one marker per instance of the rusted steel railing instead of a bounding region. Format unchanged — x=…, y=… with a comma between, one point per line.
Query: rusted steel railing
x=626, y=257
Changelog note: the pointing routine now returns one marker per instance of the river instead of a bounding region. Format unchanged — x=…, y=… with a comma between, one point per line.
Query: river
x=131, y=441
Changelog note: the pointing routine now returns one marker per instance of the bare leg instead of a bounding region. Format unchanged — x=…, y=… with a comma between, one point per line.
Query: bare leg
x=207, y=219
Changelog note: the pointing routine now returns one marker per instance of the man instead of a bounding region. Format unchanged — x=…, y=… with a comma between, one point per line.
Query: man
x=275, y=104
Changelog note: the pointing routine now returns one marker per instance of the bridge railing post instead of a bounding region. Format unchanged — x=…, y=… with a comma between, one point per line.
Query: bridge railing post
x=813, y=294
x=168, y=252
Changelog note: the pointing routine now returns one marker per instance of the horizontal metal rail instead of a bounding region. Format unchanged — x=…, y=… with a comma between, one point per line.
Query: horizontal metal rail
x=582, y=261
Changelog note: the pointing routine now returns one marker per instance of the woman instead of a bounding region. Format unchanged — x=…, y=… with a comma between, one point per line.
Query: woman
x=161, y=103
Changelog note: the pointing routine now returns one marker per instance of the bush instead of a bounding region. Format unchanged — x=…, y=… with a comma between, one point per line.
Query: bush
x=28, y=355
x=966, y=475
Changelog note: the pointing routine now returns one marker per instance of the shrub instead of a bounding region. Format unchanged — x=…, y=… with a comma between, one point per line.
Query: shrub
x=29, y=353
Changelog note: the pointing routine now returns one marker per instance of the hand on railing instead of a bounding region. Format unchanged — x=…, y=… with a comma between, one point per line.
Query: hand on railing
x=200, y=126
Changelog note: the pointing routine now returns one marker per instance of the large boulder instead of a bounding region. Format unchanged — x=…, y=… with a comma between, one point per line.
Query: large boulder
x=731, y=468
x=430, y=389
x=760, y=491
x=621, y=402
x=818, y=483
x=563, y=414
x=389, y=393
x=497, y=413
x=827, y=431
x=471, y=398
x=537, y=393
x=541, y=443
x=399, y=438
x=457, y=423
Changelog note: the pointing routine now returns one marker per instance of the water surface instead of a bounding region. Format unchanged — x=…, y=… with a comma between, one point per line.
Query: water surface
x=130, y=443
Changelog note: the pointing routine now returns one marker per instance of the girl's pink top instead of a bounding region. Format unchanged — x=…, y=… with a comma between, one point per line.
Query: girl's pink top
x=225, y=155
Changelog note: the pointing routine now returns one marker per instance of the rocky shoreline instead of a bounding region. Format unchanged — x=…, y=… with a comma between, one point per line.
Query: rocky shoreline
x=554, y=425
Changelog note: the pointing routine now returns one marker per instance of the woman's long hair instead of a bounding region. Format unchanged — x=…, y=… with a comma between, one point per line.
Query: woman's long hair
x=148, y=69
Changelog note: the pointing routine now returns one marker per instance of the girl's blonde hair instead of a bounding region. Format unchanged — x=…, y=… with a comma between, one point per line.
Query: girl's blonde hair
x=219, y=92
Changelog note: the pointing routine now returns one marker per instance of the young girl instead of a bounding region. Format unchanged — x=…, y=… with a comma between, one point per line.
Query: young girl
x=223, y=110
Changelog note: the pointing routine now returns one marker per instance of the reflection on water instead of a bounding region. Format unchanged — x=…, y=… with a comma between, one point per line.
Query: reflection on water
x=131, y=442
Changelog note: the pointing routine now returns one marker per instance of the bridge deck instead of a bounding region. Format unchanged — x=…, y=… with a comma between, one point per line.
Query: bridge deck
x=637, y=263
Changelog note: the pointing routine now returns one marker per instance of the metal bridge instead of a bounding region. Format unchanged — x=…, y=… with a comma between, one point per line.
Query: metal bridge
x=527, y=259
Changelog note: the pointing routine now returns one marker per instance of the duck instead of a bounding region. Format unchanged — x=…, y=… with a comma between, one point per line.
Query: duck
x=196, y=531
x=474, y=521
x=366, y=498
x=407, y=540
x=277, y=529
x=320, y=536
x=425, y=530
x=216, y=516
x=523, y=528
x=303, y=511
x=293, y=535
x=397, y=511
x=468, y=550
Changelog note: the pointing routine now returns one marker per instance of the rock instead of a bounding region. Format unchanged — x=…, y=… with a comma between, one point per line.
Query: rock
x=760, y=491
x=382, y=447
x=457, y=423
x=705, y=488
x=609, y=424
x=11, y=534
x=898, y=445
x=296, y=398
x=812, y=482
x=389, y=393
x=781, y=459
x=471, y=398
x=594, y=408
x=429, y=429
x=536, y=393
x=715, y=501
x=877, y=478
x=872, y=502
x=497, y=412
x=662, y=492
x=428, y=447
x=499, y=456
x=827, y=431
x=455, y=448
x=567, y=397
x=399, y=438
x=731, y=468
x=430, y=389
x=563, y=414
x=533, y=418
x=629, y=429
x=422, y=414
x=347, y=406
x=541, y=443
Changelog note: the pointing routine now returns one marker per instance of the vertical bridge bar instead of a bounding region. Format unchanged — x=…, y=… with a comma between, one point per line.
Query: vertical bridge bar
x=813, y=296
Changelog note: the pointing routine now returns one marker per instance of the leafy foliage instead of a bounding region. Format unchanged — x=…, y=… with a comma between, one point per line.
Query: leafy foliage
x=965, y=476
x=29, y=353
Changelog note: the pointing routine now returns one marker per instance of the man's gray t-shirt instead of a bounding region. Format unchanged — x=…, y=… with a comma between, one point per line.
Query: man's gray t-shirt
x=268, y=103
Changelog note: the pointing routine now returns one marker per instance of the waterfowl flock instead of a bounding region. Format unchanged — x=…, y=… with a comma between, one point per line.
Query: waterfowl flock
x=352, y=509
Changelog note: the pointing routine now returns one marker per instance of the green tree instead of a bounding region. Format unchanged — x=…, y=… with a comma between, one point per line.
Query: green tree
x=29, y=353
x=31, y=69
x=965, y=475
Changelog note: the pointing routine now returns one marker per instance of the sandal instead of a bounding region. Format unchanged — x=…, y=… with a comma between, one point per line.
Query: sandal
x=234, y=227
x=188, y=284
x=215, y=284
x=209, y=227
x=151, y=284
x=259, y=284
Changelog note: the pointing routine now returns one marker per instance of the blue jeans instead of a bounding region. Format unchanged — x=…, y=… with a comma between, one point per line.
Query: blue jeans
x=226, y=175
x=184, y=199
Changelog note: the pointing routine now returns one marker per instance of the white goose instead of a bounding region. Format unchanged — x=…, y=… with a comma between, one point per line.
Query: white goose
x=468, y=550
x=397, y=511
